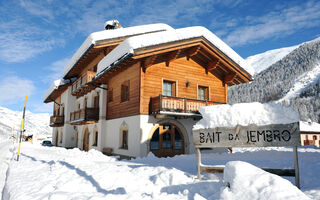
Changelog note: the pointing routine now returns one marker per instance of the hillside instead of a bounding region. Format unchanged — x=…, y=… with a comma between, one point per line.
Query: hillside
x=35, y=124
x=262, y=61
x=294, y=80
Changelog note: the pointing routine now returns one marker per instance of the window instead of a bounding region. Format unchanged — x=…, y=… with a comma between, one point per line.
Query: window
x=110, y=95
x=125, y=91
x=95, y=138
x=96, y=101
x=203, y=93
x=124, y=144
x=61, y=136
x=169, y=88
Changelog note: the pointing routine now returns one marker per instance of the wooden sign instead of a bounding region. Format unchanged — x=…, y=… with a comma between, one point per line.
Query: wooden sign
x=274, y=135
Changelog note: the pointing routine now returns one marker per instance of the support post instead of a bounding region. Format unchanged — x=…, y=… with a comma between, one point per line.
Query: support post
x=296, y=166
x=22, y=127
x=199, y=163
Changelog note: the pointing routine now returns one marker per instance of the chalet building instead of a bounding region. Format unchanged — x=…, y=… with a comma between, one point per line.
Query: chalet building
x=131, y=91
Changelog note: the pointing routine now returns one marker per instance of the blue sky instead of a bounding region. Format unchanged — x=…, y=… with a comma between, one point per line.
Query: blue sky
x=38, y=37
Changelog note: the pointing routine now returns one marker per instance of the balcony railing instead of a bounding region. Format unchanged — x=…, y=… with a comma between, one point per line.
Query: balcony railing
x=80, y=86
x=56, y=121
x=178, y=106
x=84, y=116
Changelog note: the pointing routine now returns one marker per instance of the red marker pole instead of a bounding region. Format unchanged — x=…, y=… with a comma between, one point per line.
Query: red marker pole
x=22, y=127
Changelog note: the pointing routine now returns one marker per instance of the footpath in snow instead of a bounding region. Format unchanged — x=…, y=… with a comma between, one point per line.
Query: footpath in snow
x=57, y=173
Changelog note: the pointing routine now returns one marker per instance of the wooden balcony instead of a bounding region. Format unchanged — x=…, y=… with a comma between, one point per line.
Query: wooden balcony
x=56, y=121
x=84, y=116
x=81, y=87
x=162, y=106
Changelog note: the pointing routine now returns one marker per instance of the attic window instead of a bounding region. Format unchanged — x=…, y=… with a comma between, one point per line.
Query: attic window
x=110, y=95
x=169, y=88
x=125, y=91
x=203, y=93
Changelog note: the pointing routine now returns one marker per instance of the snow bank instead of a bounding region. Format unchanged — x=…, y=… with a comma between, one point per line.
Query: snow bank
x=245, y=114
x=107, y=35
x=142, y=41
x=309, y=126
x=249, y=182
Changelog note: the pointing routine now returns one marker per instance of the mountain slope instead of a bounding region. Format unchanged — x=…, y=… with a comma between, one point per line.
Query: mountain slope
x=262, y=61
x=293, y=81
x=35, y=124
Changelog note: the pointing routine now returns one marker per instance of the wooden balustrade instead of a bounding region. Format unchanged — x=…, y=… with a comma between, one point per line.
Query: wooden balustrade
x=56, y=121
x=178, y=104
x=84, y=116
x=80, y=86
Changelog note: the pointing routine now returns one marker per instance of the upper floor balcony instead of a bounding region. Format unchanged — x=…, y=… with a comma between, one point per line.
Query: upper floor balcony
x=81, y=87
x=56, y=121
x=178, y=106
x=84, y=116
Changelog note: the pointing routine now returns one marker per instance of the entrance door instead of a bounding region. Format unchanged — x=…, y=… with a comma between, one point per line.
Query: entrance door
x=76, y=139
x=57, y=138
x=166, y=141
x=86, y=140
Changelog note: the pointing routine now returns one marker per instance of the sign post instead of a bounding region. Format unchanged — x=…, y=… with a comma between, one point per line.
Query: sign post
x=273, y=135
x=22, y=127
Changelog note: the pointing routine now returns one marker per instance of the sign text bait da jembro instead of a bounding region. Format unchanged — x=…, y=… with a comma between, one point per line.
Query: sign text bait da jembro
x=246, y=136
x=252, y=136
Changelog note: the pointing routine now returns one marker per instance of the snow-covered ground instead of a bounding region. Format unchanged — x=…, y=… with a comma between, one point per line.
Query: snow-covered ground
x=58, y=173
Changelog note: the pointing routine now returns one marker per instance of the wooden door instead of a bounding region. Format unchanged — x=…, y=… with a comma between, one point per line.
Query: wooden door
x=76, y=139
x=57, y=138
x=166, y=141
x=86, y=140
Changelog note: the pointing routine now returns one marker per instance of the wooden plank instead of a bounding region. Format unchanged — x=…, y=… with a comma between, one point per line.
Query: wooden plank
x=248, y=136
x=280, y=172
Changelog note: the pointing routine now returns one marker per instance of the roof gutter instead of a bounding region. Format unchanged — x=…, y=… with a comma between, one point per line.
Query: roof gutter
x=112, y=66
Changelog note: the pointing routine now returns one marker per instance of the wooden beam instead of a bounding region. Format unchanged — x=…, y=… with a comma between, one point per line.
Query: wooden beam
x=193, y=51
x=213, y=65
x=229, y=78
x=172, y=56
x=148, y=62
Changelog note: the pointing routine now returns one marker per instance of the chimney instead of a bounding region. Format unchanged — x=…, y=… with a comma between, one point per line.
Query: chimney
x=112, y=24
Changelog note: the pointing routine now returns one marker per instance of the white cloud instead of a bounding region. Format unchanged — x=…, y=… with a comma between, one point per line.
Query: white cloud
x=55, y=70
x=13, y=89
x=43, y=108
x=37, y=9
x=20, y=41
x=274, y=24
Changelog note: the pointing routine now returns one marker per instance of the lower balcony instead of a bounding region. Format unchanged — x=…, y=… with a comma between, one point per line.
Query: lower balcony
x=56, y=121
x=162, y=106
x=84, y=116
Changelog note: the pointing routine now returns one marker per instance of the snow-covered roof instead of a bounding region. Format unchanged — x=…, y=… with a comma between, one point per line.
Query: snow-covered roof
x=245, y=114
x=309, y=127
x=130, y=45
x=102, y=37
x=53, y=86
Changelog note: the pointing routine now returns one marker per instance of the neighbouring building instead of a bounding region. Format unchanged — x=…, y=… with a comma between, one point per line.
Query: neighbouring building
x=131, y=91
x=310, y=133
